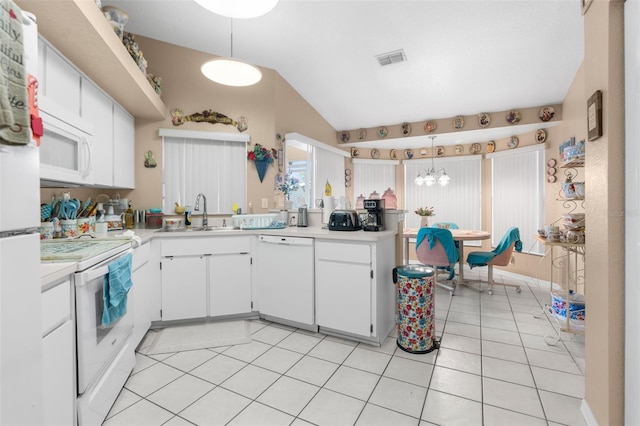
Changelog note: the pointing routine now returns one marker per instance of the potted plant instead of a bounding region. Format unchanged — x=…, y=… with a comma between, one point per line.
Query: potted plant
x=288, y=185
x=424, y=213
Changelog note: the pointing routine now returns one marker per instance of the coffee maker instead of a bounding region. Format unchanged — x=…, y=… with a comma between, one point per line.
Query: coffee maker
x=375, y=215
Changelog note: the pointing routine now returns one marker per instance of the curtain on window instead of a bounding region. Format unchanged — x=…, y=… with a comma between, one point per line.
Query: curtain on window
x=518, y=194
x=373, y=175
x=457, y=202
x=207, y=163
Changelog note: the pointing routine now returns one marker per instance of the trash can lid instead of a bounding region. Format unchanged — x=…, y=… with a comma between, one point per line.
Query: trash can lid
x=415, y=271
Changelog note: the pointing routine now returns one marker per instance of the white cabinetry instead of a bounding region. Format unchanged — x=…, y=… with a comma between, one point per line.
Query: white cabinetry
x=58, y=350
x=208, y=276
x=140, y=295
x=123, y=148
x=59, y=82
x=284, y=275
x=355, y=294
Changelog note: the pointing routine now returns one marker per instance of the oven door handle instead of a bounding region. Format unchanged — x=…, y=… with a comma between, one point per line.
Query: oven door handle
x=99, y=270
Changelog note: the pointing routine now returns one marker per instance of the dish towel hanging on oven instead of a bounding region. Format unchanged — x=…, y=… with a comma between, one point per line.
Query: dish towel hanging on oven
x=117, y=284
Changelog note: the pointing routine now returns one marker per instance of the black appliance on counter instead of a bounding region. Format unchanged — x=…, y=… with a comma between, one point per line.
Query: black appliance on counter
x=375, y=215
x=344, y=220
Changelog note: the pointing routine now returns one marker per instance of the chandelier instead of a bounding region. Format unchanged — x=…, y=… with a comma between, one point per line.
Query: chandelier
x=231, y=72
x=432, y=175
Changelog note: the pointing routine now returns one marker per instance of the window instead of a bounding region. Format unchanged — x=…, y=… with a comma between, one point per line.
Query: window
x=517, y=198
x=315, y=163
x=373, y=175
x=211, y=163
x=457, y=202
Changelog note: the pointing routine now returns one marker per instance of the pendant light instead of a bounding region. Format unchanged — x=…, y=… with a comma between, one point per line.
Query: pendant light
x=239, y=8
x=432, y=175
x=231, y=72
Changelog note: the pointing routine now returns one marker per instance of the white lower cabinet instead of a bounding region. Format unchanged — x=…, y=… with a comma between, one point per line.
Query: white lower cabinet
x=229, y=284
x=208, y=276
x=355, y=295
x=140, y=295
x=58, y=353
x=184, y=287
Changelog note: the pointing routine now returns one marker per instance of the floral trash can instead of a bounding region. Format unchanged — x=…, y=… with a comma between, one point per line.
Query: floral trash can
x=416, y=310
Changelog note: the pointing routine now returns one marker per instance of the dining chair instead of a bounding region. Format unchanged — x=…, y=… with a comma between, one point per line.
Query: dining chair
x=500, y=256
x=435, y=247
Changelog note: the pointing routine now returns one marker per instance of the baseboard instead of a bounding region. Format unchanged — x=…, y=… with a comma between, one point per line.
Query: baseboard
x=587, y=414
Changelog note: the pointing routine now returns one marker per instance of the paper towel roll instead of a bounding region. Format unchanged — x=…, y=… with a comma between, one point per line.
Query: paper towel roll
x=329, y=206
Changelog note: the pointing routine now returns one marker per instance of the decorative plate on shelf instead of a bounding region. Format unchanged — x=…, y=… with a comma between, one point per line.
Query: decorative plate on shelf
x=355, y=152
x=406, y=129
x=430, y=126
x=382, y=132
x=408, y=153
x=541, y=135
x=458, y=149
x=513, y=117
x=393, y=154
x=551, y=171
x=347, y=172
x=551, y=179
x=546, y=113
x=423, y=152
x=552, y=162
x=475, y=148
x=484, y=120
x=458, y=122
x=362, y=134
x=345, y=136
x=375, y=153
x=491, y=146
x=513, y=142
x=440, y=151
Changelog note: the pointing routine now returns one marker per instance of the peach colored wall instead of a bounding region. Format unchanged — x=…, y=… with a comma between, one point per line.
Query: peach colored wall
x=271, y=106
x=604, y=70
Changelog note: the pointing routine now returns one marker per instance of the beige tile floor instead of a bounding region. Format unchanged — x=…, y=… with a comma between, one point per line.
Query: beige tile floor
x=493, y=368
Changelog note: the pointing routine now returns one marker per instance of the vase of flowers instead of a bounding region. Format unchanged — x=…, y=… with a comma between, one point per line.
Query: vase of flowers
x=288, y=185
x=425, y=213
x=262, y=157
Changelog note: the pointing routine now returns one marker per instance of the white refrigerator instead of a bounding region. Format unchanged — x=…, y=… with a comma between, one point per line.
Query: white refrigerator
x=20, y=289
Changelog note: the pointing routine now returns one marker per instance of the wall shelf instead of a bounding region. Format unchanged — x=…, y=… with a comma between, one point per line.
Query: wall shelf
x=79, y=30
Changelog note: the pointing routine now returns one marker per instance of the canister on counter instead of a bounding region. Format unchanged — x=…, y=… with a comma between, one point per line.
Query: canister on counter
x=154, y=220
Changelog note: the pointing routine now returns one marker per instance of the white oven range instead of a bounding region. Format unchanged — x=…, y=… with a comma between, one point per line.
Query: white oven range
x=105, y=356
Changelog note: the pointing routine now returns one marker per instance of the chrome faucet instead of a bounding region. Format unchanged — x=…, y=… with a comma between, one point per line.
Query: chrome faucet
x=205, y=221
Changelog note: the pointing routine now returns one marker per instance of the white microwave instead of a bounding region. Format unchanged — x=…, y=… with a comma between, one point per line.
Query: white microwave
x=65, y=152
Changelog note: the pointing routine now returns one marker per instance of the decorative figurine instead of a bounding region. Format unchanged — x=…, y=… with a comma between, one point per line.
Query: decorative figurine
x=208, y=116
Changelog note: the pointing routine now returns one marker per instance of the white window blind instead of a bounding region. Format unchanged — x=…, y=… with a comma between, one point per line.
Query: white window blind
x=518, y=194
x=207, y=163
x=457, y=202
x=329, y=166
x=373, y=175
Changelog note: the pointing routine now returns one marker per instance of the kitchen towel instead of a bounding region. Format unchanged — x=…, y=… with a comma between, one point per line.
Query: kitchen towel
x=14, y=104
x=117, y=284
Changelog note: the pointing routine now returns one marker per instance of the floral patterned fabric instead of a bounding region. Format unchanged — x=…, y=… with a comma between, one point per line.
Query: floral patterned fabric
x=416, y=314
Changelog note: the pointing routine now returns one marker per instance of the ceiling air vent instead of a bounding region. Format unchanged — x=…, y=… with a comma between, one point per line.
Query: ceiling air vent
x=391, y=57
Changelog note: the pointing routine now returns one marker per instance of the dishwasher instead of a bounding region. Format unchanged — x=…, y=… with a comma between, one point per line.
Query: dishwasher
x=284, y=280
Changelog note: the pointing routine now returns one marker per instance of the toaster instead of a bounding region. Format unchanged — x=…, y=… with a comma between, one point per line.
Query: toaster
x=344, y=220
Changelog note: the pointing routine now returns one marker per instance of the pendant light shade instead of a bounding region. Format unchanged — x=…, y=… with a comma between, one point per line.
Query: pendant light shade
x=432, y=175
x=239, y=8
x=231, y=72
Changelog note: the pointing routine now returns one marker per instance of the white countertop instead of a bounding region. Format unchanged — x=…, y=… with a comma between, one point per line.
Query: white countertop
x=52, y=272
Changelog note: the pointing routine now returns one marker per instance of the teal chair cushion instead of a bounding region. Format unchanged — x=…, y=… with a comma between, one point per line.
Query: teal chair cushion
x=482, y=258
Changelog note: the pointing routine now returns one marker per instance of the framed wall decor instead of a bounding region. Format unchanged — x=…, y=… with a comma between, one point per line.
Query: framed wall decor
x=585, y=5
x=594, y=115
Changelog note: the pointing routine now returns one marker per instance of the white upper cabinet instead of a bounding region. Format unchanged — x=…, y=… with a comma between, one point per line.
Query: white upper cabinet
x=98, y=108
x=123, y=148
x=59, y=85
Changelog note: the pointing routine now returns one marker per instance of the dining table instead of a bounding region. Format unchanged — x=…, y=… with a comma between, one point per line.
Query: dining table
x=458, y=235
